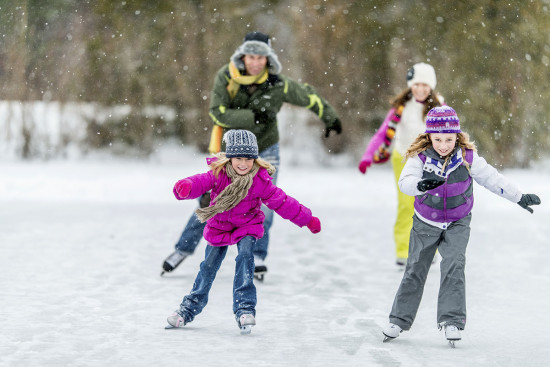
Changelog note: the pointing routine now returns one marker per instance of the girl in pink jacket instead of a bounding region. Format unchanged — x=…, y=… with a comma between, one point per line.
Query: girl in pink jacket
x=240, y=182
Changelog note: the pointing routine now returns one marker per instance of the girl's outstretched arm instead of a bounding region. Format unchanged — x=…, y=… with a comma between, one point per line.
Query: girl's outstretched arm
x=194, y=186
x=488, y=176
x=286, y=206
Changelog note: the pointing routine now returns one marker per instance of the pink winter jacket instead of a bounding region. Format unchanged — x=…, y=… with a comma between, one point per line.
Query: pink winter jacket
x=246, y=218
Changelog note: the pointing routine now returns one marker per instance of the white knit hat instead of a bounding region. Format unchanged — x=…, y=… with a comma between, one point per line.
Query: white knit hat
x=422, y=73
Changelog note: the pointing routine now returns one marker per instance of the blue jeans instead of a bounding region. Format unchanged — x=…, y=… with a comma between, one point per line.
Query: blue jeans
x=244, y=291
x=192, y=234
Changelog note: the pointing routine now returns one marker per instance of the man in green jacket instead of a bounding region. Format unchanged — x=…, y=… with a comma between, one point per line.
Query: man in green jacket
x=248, y=93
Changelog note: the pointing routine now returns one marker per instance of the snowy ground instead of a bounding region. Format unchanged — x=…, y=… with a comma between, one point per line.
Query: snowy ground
x=82, y=242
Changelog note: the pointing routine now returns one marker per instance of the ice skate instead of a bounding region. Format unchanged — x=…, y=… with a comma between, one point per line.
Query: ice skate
x=245, y=322
x=401, y=262
x=391, y=331
x=173, y=261
x=259, y=269
x=175, y=321
x=452, y=334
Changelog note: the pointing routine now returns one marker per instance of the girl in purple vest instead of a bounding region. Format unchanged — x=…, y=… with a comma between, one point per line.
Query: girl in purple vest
x=439, y=170
x=240, y=182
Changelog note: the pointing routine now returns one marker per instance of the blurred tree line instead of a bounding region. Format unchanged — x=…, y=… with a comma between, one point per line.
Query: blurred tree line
x=491, y=57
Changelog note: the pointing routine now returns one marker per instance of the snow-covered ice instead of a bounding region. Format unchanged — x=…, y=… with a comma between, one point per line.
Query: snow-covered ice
x=82, y=243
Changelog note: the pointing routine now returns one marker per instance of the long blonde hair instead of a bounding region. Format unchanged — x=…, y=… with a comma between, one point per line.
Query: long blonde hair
x=423, y=142
x=236, y=191
x=222, y=160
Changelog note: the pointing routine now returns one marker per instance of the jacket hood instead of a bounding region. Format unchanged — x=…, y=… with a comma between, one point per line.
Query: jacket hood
x=257, y=48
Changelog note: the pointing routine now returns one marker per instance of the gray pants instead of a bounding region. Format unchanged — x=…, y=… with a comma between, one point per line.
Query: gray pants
x=424, y=241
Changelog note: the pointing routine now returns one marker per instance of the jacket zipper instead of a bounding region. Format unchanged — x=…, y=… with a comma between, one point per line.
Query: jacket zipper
x=445, y=199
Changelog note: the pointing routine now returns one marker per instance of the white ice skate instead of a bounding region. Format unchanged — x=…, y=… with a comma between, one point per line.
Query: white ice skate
x=245, y=322
x=391, y=331
x=452, y=334
x=175, y=321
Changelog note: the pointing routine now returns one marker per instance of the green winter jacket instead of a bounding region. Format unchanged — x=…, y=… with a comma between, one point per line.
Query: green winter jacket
x=266, y=101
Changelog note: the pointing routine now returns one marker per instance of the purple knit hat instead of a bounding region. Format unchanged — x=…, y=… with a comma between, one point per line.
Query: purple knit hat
x=442, y=119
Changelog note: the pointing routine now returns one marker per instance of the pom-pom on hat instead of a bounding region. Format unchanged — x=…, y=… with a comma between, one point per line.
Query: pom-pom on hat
x=257, y=43
x=442, y=119
x=421, y=73
x=240, y=143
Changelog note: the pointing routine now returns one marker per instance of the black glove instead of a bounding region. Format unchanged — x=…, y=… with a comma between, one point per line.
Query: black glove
x=429, y=184
x=261, y=118
x=204, y=200
x=527, y=200
x=335, y=126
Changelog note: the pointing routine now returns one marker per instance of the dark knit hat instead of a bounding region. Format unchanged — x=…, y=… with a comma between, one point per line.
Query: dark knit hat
x=442, y=119
x=240, y=143
x=257, y=43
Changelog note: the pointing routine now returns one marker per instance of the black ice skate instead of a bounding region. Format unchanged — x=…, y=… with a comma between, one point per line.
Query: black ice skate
x=173, y=261
x=259, y=269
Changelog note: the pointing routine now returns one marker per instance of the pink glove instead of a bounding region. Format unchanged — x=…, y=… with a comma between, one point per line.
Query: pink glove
x=182, y=189
x=363, y=165
x=314, y=225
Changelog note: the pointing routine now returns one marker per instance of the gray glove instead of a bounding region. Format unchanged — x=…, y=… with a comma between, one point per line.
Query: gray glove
x=527, y=200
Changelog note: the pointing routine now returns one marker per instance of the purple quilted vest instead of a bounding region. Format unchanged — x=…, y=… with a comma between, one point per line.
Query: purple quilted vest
x=454, y=199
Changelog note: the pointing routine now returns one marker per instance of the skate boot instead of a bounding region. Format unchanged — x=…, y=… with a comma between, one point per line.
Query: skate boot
x=245, y=322
x=391, y=331
x=401, y=263
x=452, y=334
x=175, y=321
x=259, y=269
x=173, y=261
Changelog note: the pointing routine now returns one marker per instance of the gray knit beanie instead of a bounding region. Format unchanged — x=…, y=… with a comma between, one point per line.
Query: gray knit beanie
x=240, y=143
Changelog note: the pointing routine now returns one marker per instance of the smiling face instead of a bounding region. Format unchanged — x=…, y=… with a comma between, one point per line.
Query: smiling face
x=443, y=144
x=254, y=64
x=420, y=91
x=242, y=165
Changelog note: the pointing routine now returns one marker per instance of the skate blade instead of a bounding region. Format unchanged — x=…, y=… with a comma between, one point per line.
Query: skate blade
x=167, y=327
x=387, y=339
x=259, y=276
x=245, y=330
x=452, y=343
x=161, y=274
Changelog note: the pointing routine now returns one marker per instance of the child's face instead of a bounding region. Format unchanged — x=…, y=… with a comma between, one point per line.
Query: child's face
x=242, y=165
x=420, y=91
x=443, y=144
